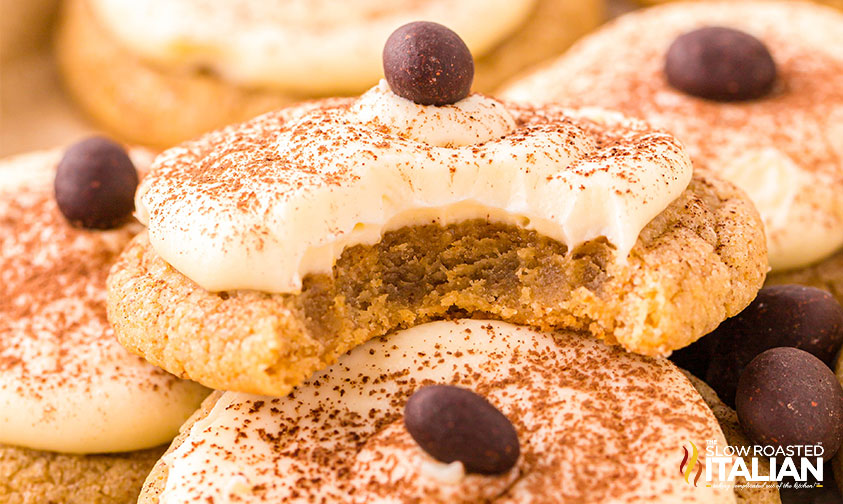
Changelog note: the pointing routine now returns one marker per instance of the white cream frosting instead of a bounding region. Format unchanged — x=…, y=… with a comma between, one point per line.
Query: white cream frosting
x=804, y=224
x=262, y=204
x=311, y=47
x=66, y=384
x=785, y=149
x=595, y=424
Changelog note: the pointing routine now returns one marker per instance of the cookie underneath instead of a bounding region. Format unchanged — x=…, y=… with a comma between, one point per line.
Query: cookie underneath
x=32, y=476
x=697, y=263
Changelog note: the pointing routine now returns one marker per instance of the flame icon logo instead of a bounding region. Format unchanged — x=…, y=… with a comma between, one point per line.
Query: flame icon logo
x=686, y=467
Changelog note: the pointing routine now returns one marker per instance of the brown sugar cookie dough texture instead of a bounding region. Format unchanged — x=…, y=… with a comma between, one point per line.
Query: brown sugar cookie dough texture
x=275, y=246
x=162, y=71
x=70, y=395
x=351, y=433
x=753, y=89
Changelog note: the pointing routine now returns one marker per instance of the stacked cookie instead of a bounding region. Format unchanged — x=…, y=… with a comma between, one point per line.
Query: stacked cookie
x=755, y=92
x=72, y=400
x=169, y=70
x=416, y=282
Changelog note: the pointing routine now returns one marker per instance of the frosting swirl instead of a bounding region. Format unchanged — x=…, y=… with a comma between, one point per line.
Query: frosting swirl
x=262, y=204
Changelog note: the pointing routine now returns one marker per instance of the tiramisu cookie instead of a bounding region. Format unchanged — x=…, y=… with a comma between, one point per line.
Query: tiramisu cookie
x=826, y=275
x=36, y=476
x=460, y=412
x=163, y=71
x=277, y=245
x=67, y=388
x=754, y=90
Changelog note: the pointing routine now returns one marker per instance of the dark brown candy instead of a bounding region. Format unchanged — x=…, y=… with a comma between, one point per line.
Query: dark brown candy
x=428, y=63
x=788, y=397
x=781, y=315
x=451, y=423
x=95, y=184
x=720, y=64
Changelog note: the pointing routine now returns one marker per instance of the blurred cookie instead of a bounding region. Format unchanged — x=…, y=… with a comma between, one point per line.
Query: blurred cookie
x=35, y=476
x=834, y=3
x=80, y=417
x=164, y=71
x=735, y=436
x=826, y=274
x=754, y=90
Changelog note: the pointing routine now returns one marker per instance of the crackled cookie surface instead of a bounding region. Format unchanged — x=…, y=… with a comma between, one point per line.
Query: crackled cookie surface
x=277, y=245
x=575, y=403
x=67, y=388
x=784, y=147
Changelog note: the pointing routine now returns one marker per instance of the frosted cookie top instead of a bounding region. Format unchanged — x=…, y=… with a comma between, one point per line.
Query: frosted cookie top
x=784, y=147
x=307, y=46
x=66, y=384
x=595, y=424
x=261, y=204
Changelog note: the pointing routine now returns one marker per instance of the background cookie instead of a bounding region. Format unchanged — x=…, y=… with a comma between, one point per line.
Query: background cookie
x=24, y=25
x=269, y=314
x=838, y=460
x=826, y=274
x=549, y=388
x=34, y=477
x=834, y=3
x=67, y=388
x=153, y=103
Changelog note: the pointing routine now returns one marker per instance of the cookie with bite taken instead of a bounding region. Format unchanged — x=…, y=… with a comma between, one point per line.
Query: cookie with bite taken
x=834, y=3
x=163, y=71
x=754, y=90
x=81, y=419
x=276, y=245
